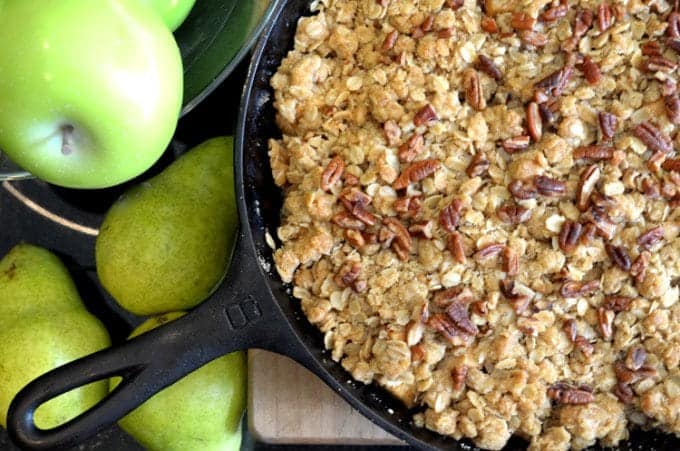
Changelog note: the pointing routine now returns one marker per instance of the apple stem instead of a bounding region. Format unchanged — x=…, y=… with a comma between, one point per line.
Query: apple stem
x=66, y=135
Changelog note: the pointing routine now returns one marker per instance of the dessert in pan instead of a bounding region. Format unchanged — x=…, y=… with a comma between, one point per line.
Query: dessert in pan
x=480, y=209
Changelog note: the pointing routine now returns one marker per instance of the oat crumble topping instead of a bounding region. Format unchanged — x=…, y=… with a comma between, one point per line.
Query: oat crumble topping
x=481, y=209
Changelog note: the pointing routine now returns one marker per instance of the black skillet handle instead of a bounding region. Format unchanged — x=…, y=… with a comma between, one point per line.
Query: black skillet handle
x=241, y=314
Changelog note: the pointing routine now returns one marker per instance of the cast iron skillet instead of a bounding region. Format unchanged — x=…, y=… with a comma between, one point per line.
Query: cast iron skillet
x=252, y=308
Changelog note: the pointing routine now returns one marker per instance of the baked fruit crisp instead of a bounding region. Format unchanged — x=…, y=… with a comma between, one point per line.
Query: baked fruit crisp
x=481, y=209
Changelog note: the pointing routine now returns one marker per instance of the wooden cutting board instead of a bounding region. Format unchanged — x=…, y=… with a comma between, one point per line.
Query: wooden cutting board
x=289, y=405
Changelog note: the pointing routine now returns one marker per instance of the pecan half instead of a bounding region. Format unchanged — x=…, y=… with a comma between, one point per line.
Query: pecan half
x=516, y=143
x=549, y=186
x=619, y=256
x=589, y=178
x=672, y=104
x=658, y=64
x=617, y=303
x=639, y=267
x=584, y=20
x=522, y=190
x=569, y=236
x=651, y=48
x=533, y=38
x=332, y=173
x=409, y=150
x=347, y=221
x=554, y=13
x=608, y=123
x=425, y=115
x=390, y=40
x=604, y=17
x=450, y=215
x=479, y=165
x=605, y=322
x=486, y=65
x=595, y=152
x=564, y=393
x=458, y=312
x=599, y=218
x=534, y=121
x=416, y=172
x=458, y=293
x=444, y=324
x=401, y=236
x=473, y=90
x=674, y=44
x=591, y=71
x=574, y=289
x=458, y=376
x=455, y=245
x=352, y=197
x=511, y=213
x=522, y=21
x=648, y=239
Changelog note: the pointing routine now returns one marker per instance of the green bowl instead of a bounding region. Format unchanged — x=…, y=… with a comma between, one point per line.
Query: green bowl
x=213, y=40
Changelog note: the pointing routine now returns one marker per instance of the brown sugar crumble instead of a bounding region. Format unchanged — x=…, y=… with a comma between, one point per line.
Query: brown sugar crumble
x=480, y=209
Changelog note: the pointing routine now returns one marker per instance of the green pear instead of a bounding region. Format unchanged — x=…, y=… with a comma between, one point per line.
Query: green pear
x=43, y=325
x=200, y=412
x=165, y=244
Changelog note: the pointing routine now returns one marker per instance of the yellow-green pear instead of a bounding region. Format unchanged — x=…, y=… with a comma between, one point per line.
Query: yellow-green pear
x=165, y=244
x=201, y=412
x=43, y=325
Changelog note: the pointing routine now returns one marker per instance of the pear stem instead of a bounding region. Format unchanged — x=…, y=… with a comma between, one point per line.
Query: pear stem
x=66, y=137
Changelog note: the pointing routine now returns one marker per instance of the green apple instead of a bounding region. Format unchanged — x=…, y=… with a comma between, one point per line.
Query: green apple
x=173, y=12
x=91, y=90
x=43, y=325
x=200, y=412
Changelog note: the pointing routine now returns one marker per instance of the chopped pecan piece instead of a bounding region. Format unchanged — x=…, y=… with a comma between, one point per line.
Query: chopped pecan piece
x=599, y=218
x=427, y=24
x=574, y=289
x=409, y=150
x=364, y=216
x=554, y=13
x=350, y=179
x=348, y=274
x=671, y=164
x=656, y=161
x=473, y=90
x=564, y=393
x=626, y=375
x=591, y=71
x=489, y=25
x=604, y=17
x=556, y=82
x=353, y=197
x=407, y=207
x=511, y=213
x=490, y=250
x=518, y=301
x=450, y=215
x=672, y=104
x=648, y=239
x=674, y=44
x=617, y=303
x=455, y=245
x=619, y=256
x=486, y=65
x=458, y=376
x=479, y=165
x=546, y=112
x=444, y=324
x=658, y=64
x=594, y=152
x=454, y=4
x=522, y=21
x=522, y=190
x=569, y=236
x=402, y=239
x=423, y=228
x=583, y=22
x=534, y=121
x=639, y=267
x=588, y=233
x=605, y=322
x=445, y=33
x=510, y=261
x=458, y=293
x=461, y=318
x=355, y=238
x=480, y=308
x=533, y=38
x=608, y=123
x=673, y=29
x=584, y=345
x=425, y=115
x=392, y=133
x=569, y=328
x=635, y=358
x=347, y=221
x=589, y=178
x=549, y=186
x=332, y=173
x=624, y=393
x=390, y=40
x=516, y=143
x=651, y=48
x=416, y=172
